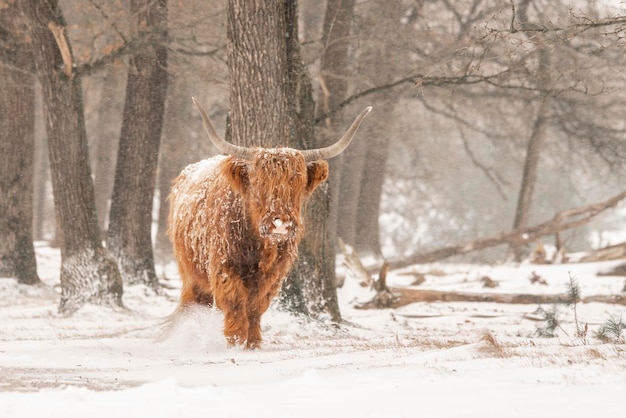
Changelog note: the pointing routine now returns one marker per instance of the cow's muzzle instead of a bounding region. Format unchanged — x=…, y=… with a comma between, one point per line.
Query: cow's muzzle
x=278, y=228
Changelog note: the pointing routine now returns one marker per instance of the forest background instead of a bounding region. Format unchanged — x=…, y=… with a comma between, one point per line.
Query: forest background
x=488, y=116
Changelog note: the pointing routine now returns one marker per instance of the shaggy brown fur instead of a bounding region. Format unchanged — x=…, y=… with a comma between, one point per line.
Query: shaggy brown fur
x=235, y=226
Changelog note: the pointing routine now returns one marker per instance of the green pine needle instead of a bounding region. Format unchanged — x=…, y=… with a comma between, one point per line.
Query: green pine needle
x=612, y=330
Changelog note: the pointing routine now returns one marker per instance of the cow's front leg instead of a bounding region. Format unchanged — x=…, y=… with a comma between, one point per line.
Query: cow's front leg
x=231, y=298
x=235, y=325
x=258, y=303
x=254, y=319
x=254, y=331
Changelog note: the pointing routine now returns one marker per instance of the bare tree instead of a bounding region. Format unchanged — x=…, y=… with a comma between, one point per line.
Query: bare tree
x=130, y=220
x=88, y=273
x=17, y=136
x=538, y=132
x=334, y=80
x=384, y=42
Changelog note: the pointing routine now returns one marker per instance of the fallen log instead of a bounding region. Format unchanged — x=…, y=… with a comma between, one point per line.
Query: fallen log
x=610, y=299
x=619, y=270
x=406, y=296
x=612, y=252
x=567, y=219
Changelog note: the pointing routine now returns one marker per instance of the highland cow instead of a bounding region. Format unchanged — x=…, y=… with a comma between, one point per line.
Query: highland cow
x=235, y=223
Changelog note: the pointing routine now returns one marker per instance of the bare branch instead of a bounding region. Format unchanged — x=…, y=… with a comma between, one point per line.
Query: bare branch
x=94, y=66
x=59, y=36
x=192, y=53
x=513, y=17
x=486, y=170
x=109, y=20
x=585, y=24
x=417, y=81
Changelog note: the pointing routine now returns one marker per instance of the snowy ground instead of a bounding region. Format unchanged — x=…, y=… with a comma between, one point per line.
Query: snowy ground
x=424, y=359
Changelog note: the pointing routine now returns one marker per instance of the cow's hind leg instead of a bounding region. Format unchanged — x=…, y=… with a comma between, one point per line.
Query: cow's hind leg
x=195, y=286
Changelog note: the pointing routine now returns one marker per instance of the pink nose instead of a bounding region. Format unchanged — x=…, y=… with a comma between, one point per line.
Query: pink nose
x=280, y=226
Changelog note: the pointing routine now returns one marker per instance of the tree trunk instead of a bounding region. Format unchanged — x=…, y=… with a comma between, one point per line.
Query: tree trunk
x=130, y=220
x=272, y=105
x=537, y=136
x=88, y=273
x=105, y=139
x=529, y=174
x=334, y=68
x=42, y=207
x=334, y=77
x=171, y=158
x=315, y=266
x=317, y=250
x=17, y=137
x=362, y=179
x=310, y=284
x=257, y=63
x=367, y=240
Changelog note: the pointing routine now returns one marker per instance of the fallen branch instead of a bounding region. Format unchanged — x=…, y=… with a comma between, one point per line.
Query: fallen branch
x=619, y=270
x=612, y=252
x=354, y=265
x=408, y=296
x=567, y=219
x=404, y=296
x=384, y=297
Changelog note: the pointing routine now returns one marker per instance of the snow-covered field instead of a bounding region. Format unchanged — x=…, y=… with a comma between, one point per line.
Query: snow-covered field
x=421, y=360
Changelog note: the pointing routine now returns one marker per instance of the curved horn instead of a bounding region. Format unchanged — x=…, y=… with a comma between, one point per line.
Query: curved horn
x=339, y=146
x=219, y=142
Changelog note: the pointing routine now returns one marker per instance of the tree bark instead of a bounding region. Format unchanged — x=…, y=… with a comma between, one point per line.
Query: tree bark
x=17, y=137
x=130, y=219
x=257, y=63
x=88, y=273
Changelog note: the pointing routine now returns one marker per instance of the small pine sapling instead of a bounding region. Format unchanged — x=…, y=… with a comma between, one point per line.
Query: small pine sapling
x=573, y=298
x=551, y=321
x=612, y=330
